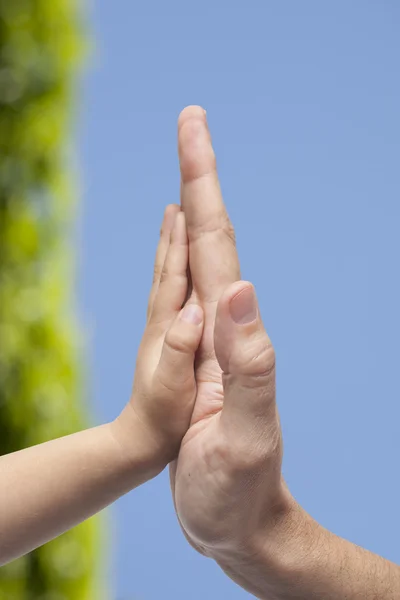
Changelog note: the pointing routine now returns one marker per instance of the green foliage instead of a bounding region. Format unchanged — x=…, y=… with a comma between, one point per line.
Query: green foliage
x=40, y=44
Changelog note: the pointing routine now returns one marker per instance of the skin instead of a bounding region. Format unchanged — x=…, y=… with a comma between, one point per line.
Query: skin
x=230, y=497
x=54, y=486
x=204, y=395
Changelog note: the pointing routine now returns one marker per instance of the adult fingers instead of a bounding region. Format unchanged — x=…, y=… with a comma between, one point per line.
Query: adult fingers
x=166, y=228
x=247, y=359
x=213, y=257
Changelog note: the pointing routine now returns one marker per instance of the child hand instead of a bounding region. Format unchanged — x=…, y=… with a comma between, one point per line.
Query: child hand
x=164, y=387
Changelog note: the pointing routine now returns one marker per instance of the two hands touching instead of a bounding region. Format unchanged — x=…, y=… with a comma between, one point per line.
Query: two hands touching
x=204, y=388
x=203, y=402
x=210, y=400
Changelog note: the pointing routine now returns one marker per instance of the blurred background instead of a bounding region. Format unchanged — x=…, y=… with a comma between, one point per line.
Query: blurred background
x=42, y=385
x=302, y=100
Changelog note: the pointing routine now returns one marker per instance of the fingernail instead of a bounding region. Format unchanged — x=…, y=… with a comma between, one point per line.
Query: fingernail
x=243, y=306
x=192, y=314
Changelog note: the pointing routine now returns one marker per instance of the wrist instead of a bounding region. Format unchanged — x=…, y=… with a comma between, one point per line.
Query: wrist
x=274, y=559
x=142, y=451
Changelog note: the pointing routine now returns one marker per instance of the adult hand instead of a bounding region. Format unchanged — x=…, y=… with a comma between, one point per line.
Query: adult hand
x=227, y=482
x=229, y=494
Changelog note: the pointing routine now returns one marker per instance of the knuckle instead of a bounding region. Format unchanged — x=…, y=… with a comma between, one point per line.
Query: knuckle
x=172, y=272
x=165, y=384
x=172, y=287
x=157, y=272
x=178, y=343
x=165, y=271
x=258, y=361
x=230, y=232
x=164, y=274
x=218, y=224
x=177, y=287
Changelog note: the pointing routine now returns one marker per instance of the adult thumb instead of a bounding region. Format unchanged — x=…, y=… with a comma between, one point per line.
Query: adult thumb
x=247, y=359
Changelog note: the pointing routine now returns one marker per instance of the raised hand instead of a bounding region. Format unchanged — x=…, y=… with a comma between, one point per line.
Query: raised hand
x=227, y=478
x=164, y=387
x=54, y=486
x=230, y=497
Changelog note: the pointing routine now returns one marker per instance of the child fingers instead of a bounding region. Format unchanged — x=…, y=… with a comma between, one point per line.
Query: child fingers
x=165, y=235
x=175, y=371
x=173, y=284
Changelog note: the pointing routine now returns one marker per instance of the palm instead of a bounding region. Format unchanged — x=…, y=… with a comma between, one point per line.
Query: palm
x=192, y=474
x=210, y=394
x=209, y=399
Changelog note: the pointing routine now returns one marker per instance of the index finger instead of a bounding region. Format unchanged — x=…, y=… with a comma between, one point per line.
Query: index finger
x=214, y=262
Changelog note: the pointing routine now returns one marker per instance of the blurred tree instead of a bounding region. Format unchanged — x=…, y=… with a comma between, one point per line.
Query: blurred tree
x=40, y=43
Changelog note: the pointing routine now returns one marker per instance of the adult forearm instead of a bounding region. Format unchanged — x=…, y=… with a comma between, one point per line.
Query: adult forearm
x=300, y=560
x=49, y=488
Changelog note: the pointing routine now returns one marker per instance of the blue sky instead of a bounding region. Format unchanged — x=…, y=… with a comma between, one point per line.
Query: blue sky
x=303, y=102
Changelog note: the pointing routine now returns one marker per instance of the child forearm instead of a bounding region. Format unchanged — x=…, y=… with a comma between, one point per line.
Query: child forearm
x=49, y=488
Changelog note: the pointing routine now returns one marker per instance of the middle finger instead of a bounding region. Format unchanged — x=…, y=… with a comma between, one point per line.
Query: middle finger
x=214, y=262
